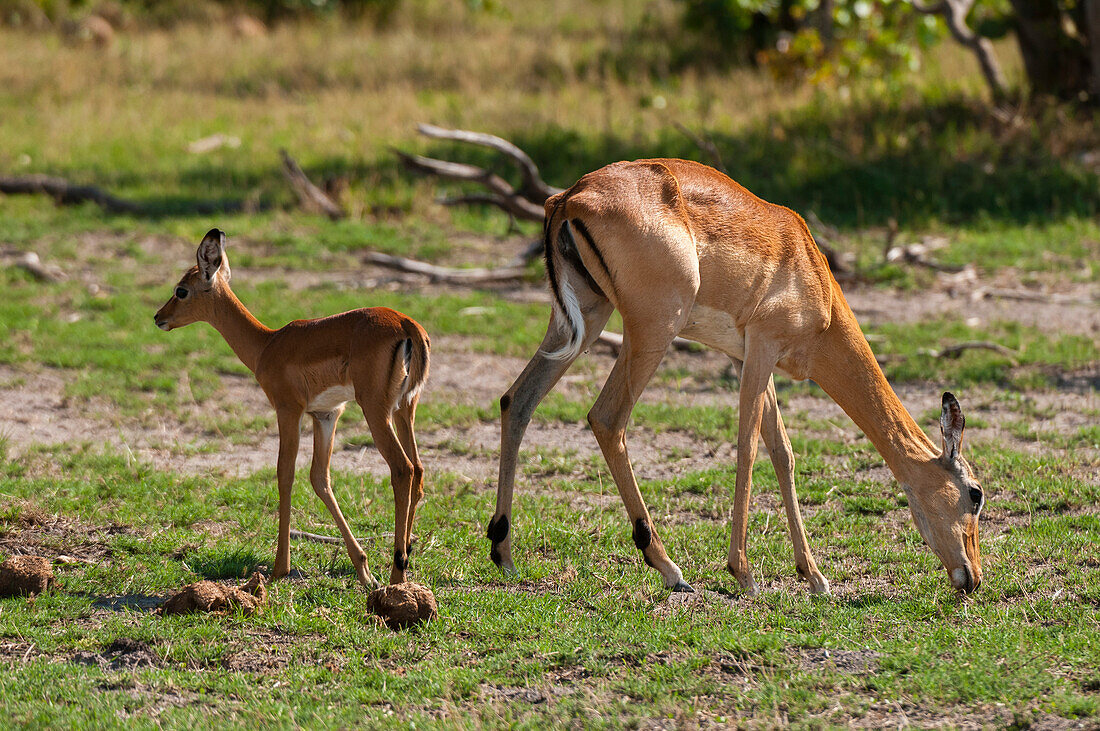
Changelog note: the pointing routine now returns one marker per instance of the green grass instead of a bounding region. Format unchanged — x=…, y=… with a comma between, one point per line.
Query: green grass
x=577, y=624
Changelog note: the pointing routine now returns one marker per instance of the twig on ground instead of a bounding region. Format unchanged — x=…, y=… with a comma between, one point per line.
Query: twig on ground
x=302, y=535
x=953, y=351
x=1024, y=295
x=31, y=263
x=615, y=341
x=449, y=275
x=66, y=193
x=311, y=197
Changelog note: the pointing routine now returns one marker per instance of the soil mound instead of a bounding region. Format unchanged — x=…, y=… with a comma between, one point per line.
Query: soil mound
x=206, y=596
x=25, y=575
x=403, y=605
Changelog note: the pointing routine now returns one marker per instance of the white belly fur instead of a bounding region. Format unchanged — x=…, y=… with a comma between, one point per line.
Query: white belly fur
x=331, y=398
x=716, y=329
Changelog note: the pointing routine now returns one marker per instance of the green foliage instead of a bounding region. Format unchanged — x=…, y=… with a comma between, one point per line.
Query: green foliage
x=804, y=39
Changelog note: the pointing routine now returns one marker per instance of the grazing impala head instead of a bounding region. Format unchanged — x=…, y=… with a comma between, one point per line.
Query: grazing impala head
x=946, y=505
x=197, y=293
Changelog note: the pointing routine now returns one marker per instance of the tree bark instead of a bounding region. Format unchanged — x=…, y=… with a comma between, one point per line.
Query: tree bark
x=1056, y=62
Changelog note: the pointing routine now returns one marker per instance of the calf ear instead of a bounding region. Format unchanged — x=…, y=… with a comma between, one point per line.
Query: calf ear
x=211, y=255
x=952, y=424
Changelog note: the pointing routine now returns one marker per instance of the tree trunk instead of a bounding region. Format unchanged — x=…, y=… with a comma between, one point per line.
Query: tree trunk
x=1056, y=62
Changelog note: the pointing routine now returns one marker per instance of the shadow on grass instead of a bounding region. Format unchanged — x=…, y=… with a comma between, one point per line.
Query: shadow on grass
x=914, y=161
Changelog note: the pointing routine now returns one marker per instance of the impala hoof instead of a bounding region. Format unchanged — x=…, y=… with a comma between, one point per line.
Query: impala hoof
x=820, y=585
x=683, y=587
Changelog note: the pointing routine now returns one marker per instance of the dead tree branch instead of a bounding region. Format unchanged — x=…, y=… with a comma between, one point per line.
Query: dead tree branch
x=533, y=188
x=704, y=143
x=66, y=193
x=954, y=13
x=615, y=341
x=501, y=193
x=953, y=351
x=311, y=197
x=450, y=275
x=303, y=536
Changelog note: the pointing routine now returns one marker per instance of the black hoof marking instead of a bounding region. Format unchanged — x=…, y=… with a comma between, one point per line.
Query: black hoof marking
x=400, y=561
x=802, y=572
x=494, y=554
x=684, y=588
x=642, y=535
x=505, y=402
x=498, y=529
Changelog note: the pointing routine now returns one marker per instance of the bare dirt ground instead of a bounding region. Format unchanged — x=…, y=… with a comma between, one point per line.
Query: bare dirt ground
x=34, y=410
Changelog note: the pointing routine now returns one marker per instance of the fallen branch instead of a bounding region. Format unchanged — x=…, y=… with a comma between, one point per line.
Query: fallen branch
x=501, y=193
x=916, y=254
x=66, y=193
x=706, y=144
x=533, y=188
x=311, y=197
x=449, y=275
x=615, y=340
x=31, y=263
x=1023, y=295
x=302, y=535
x=952, y=351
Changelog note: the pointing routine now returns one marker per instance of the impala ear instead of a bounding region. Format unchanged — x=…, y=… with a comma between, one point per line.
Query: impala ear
x=952, y=424
x=211, y=256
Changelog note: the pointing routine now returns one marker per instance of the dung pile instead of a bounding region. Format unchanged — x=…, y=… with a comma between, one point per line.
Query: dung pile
x=25, y=575
x=206, y=596
x=403, y=605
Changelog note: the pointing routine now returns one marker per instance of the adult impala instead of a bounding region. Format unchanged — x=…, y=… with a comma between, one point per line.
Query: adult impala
x=680, y=249
x=376, y=356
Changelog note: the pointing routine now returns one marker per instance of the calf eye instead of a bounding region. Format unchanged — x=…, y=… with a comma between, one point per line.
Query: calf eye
x=976, y=497
x=181, y=292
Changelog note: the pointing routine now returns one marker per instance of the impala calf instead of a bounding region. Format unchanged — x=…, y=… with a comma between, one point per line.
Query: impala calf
x=376, y=356
x=680, y=249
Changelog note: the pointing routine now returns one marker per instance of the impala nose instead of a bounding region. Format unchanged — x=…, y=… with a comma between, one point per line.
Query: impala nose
x=964, y=580
x=160, y=323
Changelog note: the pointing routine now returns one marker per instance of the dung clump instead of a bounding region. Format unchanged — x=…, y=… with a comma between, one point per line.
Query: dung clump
x=403, y=605
x=25, y=576
x=207, y=596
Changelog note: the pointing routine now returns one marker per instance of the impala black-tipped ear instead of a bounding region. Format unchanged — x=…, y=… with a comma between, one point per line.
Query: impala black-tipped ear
x=952, y=423
x=211, y=255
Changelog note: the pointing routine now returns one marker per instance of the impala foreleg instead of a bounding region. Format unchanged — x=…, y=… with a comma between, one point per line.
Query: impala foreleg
x=609, y=416
x=782, y=456
x=756, y=374
x=324, y=428
x=289, y=420
x=516, y=408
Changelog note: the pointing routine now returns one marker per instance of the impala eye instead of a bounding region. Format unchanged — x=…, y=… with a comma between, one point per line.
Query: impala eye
x=977, y=498
x=181, y=292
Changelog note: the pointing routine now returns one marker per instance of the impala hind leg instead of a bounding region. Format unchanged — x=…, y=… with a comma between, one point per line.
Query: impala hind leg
x=401, y=479
x=633, y=369
x=756, y=374
x=516, y=407
x=324, y=428
x=289, y=420
x=403, y=421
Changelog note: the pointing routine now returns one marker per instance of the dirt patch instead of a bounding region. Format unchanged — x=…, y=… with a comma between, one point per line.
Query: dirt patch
x=855, y=662
x=124, y=653
x=208, y=596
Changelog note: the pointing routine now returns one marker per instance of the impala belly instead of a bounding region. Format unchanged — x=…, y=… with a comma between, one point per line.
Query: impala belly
x=716, y=329
x=331, y=398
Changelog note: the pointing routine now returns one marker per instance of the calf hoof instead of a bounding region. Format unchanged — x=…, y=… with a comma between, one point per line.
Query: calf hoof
x=748, y=586
x=683, y=587
x=819, y=585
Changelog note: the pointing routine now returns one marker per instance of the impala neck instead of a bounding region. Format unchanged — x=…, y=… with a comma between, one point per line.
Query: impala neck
x=246, y=335
x=846, y=369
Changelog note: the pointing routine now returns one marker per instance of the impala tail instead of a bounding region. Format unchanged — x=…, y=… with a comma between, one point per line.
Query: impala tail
x=563, y=265
x=415, y=350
